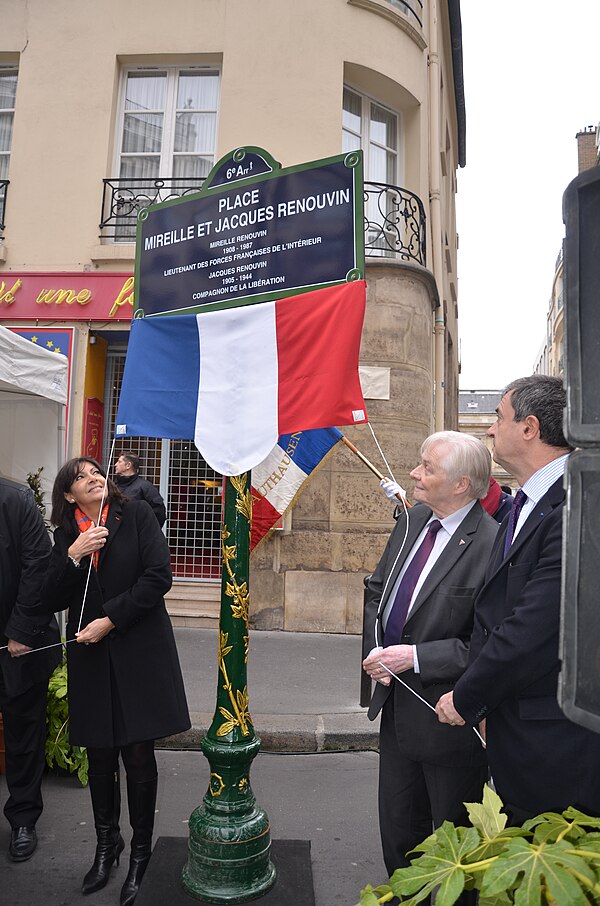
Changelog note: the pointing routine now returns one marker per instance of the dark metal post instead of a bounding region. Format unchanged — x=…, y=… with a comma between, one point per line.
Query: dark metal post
x=230, y=839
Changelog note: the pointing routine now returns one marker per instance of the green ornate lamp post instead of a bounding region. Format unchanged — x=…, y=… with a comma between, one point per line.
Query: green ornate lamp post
x=230, y=841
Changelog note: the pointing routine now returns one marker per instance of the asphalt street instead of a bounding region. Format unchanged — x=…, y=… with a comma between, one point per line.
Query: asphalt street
x=329, y=799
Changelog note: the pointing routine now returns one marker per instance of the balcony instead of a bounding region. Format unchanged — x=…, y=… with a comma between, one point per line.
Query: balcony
x=410, y=8
x=394, y=217
x=123, y=199
x=3, y=192
x=394, y=223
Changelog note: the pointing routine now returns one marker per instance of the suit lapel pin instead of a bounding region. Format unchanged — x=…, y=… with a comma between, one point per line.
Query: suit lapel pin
x=462, y=541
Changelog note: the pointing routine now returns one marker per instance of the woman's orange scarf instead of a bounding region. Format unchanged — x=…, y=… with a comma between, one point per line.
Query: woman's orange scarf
x=84, y=523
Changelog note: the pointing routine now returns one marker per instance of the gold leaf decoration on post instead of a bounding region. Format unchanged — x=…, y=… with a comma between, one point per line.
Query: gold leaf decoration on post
x=238, y=716
x=243, y=503
x=239, y=700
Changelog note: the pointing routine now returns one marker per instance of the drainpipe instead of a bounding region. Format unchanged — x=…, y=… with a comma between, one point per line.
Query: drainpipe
x=435, y=179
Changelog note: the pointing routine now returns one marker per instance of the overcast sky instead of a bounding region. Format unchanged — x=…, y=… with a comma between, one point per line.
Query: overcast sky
x=532, y=81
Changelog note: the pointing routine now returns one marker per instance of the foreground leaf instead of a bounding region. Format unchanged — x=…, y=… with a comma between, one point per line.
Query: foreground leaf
x=370, y=896
x=444, y=865
x=487, y=816
x=538, y=864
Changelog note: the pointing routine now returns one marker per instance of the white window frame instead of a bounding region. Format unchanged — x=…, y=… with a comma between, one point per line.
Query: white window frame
x=367, y=102
x=167, y=153
x=6, y=68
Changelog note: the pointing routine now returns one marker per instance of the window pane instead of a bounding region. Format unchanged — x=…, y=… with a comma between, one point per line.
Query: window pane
x=350, y=142
x=142, y=132
x=351, y=111
x=196, y=167
x=145, y=92
x=195, y=131
x=6, y=120
x=4, y=158
x=8, y=89
x=381, y=165
x=138, y=167
x=383, y=127
x=197, y=91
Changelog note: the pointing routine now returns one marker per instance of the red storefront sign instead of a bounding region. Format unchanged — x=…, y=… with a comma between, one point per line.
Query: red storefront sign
x=66, y=297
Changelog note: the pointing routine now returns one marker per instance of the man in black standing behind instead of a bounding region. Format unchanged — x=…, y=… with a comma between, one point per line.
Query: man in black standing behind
x=24, y=554
x=539, y=760
x=132, y=485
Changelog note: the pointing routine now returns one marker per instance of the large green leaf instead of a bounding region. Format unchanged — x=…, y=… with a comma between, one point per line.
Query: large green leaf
x=538, y=865
x=370, y=896
x=487, y=816
x=504, y=898
x=444, y=865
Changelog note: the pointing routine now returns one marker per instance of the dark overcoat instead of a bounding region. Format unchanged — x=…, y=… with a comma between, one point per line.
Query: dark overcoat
x=24, y=554
x=440, y=625
x=539, y=760
x=128, y=687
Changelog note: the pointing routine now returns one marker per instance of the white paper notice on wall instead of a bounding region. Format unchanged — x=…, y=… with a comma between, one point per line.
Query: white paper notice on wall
x=375, y=382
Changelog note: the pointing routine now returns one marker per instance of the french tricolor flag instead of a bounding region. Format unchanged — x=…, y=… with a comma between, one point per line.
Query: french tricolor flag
x=236, y=379
x=277, y=479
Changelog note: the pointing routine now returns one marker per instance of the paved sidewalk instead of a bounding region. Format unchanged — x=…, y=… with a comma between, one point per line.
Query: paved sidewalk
x=304, y=690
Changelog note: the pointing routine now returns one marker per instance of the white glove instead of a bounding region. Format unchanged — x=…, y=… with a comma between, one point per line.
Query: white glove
x=391, y=488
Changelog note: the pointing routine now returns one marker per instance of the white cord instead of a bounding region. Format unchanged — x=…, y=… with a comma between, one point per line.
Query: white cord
x=102, y=499
x=391, y=474
x=378, y=644
x=425, y=702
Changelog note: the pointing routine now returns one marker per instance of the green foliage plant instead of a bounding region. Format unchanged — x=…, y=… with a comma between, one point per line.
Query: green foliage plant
x=59, y=751
x=551, y=859
x=34, y=480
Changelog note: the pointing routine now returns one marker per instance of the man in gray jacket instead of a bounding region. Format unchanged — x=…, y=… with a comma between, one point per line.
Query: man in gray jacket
x=419, y=617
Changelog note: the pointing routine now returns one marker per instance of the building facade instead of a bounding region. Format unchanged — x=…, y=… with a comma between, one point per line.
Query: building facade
x=105, y=108
x=550, y=359
x=477, y=413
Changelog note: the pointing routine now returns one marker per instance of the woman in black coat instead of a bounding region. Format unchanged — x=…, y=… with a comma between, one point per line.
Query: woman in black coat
x=125, y=684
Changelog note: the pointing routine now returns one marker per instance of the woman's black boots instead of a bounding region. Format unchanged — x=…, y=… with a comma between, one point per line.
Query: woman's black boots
x=106, y=804
x=141, y=797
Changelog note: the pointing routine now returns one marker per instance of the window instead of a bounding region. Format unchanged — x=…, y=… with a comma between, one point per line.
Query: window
x=369, y=125
x=8, y=91
x=167, y=131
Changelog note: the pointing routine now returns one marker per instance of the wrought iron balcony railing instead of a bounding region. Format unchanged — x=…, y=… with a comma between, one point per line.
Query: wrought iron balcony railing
x=410, y=7
x=394, y=217
x=3, y=192
x=394, y=223
x=122, y=199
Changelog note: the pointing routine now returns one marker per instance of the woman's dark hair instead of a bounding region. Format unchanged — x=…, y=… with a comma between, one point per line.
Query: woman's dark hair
x=62, y=511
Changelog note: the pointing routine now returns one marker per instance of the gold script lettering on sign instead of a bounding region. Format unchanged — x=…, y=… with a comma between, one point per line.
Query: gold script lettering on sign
x=125, y=297
x=58, y=296
x=8, y=295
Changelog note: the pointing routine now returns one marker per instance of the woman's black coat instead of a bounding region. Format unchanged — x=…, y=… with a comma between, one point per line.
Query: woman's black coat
x=128, y=687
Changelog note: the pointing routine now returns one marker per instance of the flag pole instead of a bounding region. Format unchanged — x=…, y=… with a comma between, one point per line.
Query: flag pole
x=370, y=466
x=229, y=835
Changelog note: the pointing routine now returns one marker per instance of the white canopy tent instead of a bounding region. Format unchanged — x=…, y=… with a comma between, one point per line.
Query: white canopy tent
x=33, y=396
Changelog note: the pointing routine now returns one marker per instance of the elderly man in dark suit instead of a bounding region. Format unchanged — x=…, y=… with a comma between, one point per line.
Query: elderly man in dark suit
x=24, y=554
x=539, y=760
x=419, y=615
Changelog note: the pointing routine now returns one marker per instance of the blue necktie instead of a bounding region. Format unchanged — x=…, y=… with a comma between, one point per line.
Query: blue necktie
x=520, y=498
x=399, y=611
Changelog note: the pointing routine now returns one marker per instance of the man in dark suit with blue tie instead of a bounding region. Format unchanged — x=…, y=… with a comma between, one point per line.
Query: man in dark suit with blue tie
x=539, y=760
x=419, y=617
